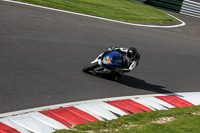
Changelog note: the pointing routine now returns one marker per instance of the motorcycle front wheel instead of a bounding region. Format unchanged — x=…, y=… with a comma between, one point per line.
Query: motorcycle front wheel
x=90, y=67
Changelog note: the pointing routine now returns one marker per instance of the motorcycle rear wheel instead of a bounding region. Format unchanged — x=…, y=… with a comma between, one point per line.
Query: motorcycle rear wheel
x=90, y=67
x=116, y=77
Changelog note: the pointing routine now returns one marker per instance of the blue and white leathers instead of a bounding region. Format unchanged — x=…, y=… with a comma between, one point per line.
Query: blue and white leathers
x=111, y=63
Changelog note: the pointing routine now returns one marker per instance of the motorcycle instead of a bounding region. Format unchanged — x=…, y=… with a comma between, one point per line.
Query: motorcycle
x=111, y=63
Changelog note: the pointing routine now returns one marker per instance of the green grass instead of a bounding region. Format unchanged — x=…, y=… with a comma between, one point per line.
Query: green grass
x=123, y=10
x=185, y=120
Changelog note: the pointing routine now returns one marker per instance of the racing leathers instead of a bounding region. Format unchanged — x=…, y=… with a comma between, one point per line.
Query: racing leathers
x=130, y=57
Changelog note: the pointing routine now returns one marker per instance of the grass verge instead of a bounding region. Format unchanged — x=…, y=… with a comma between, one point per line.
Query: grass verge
x=123, y=10
x=175, y=120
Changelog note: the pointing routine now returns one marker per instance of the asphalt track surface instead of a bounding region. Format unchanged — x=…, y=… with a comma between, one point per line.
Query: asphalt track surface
x=42, y=53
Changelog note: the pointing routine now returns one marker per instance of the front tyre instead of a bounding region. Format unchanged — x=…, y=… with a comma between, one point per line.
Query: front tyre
x=90, y=67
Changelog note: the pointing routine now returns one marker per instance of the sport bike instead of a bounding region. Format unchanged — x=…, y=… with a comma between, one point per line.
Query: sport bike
x=112, y=64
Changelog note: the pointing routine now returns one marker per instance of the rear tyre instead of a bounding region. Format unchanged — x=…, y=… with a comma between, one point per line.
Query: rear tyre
x=116, y=77
x=90, y=67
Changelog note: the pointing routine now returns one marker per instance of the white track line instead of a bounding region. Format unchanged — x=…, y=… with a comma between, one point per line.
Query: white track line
x=153, y=26
x=90, y=101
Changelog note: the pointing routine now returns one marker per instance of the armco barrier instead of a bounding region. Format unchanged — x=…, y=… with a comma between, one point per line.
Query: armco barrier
x=190, y=8
x=187, y=7
x=171, y=5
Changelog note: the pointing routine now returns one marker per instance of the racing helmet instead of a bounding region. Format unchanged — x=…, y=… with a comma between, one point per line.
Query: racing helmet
x=131, y=53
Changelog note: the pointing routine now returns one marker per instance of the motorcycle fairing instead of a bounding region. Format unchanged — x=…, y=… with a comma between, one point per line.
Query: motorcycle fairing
x=113, y=58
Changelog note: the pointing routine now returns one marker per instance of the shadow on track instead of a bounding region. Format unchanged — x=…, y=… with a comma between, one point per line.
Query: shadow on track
x=141, y=84
x=137, y=83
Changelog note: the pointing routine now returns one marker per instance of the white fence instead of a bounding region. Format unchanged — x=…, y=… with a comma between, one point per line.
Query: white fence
x=190, y=8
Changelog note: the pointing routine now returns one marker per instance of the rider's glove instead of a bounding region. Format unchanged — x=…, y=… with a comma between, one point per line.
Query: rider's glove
x=112, y=48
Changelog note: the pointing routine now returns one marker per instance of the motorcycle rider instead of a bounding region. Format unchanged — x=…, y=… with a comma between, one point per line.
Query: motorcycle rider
x=114, y=64
x=130, y=57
